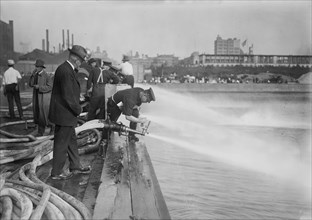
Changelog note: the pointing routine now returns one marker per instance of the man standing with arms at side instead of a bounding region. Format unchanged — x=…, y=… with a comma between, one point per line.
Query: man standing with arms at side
x=64, y=109
x=99, y=77
x=11, y=79
x=42, y=83
x=126, y=70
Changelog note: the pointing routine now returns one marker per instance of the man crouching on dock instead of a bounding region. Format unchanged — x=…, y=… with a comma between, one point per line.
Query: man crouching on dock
x=128, y=102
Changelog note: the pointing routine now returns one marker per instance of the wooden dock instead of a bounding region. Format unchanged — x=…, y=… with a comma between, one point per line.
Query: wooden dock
x=123, y=185
x=129, y=188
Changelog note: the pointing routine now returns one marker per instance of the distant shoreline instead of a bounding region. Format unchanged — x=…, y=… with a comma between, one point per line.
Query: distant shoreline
x=217, y=87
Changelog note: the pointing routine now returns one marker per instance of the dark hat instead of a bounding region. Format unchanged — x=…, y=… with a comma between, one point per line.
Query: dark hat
x=79, y=51
x=98, y=61
x=92, y=60
x=39, y=63
x=107, y=63
x=150, y=93
x=125, y=58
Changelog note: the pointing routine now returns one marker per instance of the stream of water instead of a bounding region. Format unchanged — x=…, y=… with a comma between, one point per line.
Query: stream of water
x=232, y=155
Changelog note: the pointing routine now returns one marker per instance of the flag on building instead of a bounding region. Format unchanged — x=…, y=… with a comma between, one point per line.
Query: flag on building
x=244, y=43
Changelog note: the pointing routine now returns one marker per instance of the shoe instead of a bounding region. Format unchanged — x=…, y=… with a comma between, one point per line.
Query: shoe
x=133, y=138
x=102, y=148
x=62, y=176
x=83, y=170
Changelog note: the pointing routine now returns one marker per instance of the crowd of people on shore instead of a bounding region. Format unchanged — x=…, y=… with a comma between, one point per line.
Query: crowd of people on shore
x=57, y=102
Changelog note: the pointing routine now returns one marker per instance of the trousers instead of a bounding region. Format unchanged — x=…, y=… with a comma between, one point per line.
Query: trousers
x=13, y=93
x=114, y=112
x=65, y=144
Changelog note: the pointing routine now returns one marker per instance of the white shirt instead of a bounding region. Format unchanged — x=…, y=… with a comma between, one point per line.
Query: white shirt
x=70, y=64
x=11, y=76
x=126, y=68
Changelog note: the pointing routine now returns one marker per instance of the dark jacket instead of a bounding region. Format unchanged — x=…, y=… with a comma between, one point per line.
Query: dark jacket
x=129, y=99
x=41, y=96
x=64, y=106
x=108, y=77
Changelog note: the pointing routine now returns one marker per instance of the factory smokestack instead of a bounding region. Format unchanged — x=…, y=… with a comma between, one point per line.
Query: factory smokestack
x=43, y=44
x=67, y=38
x=63, y=45
x=47, y=33
x=72, y=39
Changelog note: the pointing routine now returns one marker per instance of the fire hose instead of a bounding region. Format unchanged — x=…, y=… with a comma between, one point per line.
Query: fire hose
x=31, y=198
x=27, y=146
x=18, y=198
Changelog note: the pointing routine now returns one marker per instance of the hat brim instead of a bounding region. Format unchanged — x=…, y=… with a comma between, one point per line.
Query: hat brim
x=40, y=66
x=151, y=94
x=76, y=54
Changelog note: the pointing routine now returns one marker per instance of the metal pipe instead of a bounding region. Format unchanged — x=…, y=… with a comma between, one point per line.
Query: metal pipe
x=120, y=128
x=107, y=125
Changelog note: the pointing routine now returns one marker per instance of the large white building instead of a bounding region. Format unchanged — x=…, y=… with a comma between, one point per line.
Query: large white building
x=229, y=46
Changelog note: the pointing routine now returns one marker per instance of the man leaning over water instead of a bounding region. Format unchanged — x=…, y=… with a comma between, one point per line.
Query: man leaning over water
x=128, y=102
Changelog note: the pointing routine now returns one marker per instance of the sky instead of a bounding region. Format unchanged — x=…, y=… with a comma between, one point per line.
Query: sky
x=162, y=27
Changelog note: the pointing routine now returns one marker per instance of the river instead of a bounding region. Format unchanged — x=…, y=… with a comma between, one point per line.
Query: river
x=232, y=155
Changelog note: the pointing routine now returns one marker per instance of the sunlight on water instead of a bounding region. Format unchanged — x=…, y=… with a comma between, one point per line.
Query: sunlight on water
x=197, y=125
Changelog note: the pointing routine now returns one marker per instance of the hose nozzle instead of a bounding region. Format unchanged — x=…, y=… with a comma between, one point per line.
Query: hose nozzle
x=119, y=127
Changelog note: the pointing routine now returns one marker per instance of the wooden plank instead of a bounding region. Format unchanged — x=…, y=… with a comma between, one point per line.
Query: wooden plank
x=136, y=192
x=91, y=191
x=105, y=198
x=147, y=200
x=122, y=208
x=113, y=199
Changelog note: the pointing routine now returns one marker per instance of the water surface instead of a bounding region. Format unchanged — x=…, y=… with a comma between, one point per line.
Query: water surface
x=232, y=155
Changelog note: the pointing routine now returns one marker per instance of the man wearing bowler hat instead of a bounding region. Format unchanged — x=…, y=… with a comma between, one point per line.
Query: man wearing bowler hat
x=42, y=84
x=128, y=102
x=64, y=109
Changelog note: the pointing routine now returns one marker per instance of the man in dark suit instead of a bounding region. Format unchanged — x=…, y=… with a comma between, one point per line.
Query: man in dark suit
x=98, y=78
x=64, y=109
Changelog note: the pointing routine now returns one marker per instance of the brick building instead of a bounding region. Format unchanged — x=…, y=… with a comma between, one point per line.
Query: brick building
x=6, y=41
